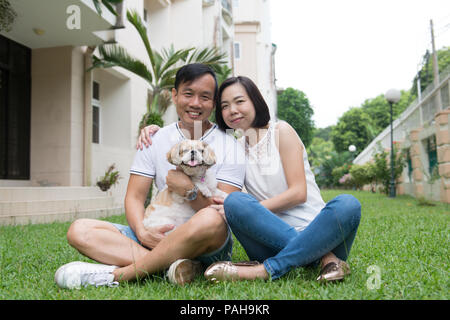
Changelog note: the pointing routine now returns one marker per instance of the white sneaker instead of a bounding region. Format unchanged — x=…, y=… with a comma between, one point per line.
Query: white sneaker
x=77, y=274
x=184, y=271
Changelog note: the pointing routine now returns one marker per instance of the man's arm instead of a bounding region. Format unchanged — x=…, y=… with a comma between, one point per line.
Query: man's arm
x=137, y=190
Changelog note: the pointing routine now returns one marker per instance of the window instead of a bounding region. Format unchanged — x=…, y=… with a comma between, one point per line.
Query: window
x=15, y=97
x=95, y=112
x=409, y=163
x=432, y=153
x=237, y=50
x=95, y=124
x=96, y=91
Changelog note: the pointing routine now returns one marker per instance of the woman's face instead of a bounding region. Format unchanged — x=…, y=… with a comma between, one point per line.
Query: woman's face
x=238, y=110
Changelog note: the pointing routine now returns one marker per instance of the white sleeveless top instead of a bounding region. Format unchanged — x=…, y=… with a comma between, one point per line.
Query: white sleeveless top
x=265, y=178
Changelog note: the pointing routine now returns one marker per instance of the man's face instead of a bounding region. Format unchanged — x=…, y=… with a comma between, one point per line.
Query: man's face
x=194, y=100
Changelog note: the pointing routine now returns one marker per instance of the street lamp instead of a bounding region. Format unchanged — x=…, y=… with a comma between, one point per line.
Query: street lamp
x=392, y=96
x=352, y=149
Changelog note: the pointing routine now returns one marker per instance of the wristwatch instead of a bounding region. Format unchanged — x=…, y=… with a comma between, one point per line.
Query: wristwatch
x=192, y=194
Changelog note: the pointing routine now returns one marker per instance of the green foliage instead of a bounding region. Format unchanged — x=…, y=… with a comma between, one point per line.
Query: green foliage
x=339, y=172
x=353, y=127
x=362, y=174
x=7, y=15
x=382, y=167
x=151, y=118
x=223, y=72
x=426, y=72
x=318, y=151
x=378, y=110
x=323, y=133
x=324, y=174
x=109, y=4
x=294, y=108
x=110, y=178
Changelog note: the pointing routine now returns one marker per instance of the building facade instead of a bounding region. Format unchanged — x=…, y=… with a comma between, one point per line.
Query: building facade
x=61, y=126
x=422, y=133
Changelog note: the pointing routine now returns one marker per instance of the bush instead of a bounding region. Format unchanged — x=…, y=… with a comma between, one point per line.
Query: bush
x=362, y=174
x=382, y=167
x=150, y=118
x=339, y=172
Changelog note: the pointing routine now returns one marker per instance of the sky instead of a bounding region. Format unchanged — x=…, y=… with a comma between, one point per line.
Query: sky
x=343, y=52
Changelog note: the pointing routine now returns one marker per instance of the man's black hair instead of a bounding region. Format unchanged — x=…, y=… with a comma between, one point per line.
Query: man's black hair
x=193, y=71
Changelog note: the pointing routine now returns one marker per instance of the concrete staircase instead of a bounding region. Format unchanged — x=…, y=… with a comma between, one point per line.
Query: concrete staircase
x=25, y=205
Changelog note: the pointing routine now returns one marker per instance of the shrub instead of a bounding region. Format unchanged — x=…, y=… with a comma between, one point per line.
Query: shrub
x=382, y=167
x=362, y=174
x=150, y=118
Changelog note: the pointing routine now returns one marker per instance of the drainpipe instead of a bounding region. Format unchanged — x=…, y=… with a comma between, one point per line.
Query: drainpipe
x=87, y=123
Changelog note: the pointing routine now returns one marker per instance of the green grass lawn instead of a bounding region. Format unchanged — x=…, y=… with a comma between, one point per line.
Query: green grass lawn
x=407, y=243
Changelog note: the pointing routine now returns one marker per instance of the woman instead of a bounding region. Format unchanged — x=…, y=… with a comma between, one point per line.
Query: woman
x=282, y=222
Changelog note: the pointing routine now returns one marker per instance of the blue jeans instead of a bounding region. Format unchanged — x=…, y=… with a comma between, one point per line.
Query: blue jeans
x=268, y=239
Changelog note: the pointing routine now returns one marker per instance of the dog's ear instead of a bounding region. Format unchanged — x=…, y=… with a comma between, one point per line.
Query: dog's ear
x=173, y=156
x=209, y=157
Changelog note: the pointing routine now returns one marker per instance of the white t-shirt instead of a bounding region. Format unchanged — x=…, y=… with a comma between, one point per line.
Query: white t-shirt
x=230, y=156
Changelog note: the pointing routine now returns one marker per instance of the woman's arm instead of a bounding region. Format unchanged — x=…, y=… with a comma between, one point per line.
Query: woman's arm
x=144, y=137
x=291, y=154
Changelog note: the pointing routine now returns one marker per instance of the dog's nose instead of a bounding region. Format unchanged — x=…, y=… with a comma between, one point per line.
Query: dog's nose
x=192, y=154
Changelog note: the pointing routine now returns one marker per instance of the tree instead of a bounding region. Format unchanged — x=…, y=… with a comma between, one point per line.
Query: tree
x=294, y=108
x=323, y=133
x=378, y=110
x=353, y=127
x=426, y=71
x=318, y=151
x=163, y=66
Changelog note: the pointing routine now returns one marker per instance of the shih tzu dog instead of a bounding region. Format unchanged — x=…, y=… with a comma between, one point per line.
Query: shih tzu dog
x=194, y=157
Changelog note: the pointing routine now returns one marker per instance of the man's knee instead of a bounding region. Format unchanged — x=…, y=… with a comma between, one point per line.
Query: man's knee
x=78, y=233
x=206, y=224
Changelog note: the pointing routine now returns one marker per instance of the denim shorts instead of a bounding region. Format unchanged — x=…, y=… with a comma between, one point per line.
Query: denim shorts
x=221, y=254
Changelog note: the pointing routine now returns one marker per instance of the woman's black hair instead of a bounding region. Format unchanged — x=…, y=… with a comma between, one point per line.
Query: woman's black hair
x=193, y=71
x=262, y=114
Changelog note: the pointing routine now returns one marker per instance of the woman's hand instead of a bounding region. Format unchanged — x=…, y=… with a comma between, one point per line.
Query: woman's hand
x=220, y=210
x=150, y=237
x=218, y=200
x=144, y=137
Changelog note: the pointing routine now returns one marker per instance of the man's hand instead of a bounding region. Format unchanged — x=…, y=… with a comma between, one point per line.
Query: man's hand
x=152, y=236
x=177, y=181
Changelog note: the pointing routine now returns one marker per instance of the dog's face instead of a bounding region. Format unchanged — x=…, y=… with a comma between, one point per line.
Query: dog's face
x=189, y=154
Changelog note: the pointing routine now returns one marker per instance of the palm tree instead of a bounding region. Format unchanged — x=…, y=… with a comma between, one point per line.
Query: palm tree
x=160, y=73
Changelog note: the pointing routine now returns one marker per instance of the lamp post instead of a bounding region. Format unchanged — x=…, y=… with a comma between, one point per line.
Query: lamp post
x=392, y=96
x=352, y=149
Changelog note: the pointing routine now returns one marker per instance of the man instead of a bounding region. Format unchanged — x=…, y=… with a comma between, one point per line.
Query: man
x=130, y=252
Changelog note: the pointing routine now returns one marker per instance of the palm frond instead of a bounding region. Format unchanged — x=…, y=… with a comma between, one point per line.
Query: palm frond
x=171, y=57
x=208, y=56
x=136, y=21
x=115, y=55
